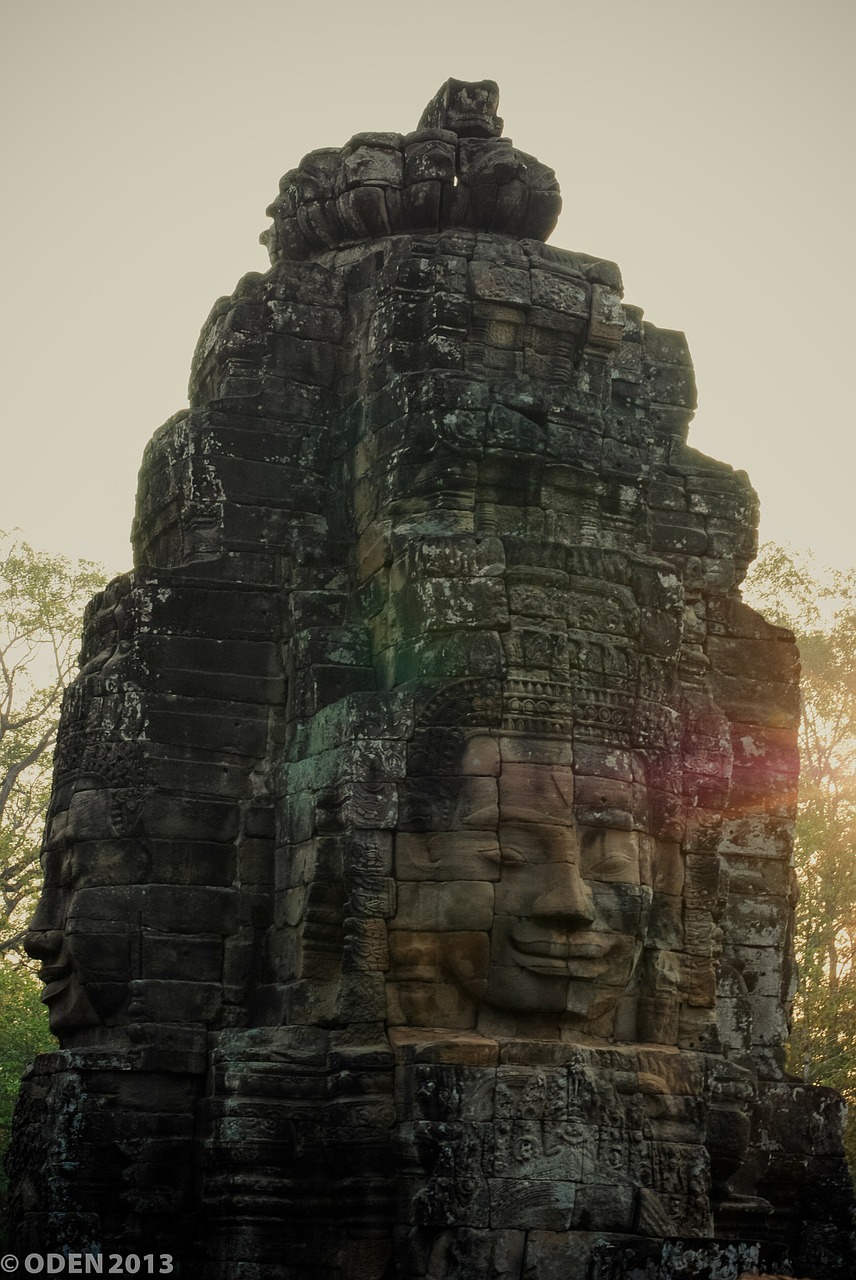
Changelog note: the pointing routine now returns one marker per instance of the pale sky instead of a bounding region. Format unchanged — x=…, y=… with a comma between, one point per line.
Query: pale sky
x=704, y=145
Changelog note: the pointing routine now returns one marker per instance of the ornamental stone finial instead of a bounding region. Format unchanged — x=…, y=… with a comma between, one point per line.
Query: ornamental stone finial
x=466, y=108
x=454, y=171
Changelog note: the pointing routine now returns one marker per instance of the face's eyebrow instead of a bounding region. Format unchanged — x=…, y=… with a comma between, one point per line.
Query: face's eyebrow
x=564, y=787
x=484, y=818
x=599, y=855
x=437, y=848
x=534, y=816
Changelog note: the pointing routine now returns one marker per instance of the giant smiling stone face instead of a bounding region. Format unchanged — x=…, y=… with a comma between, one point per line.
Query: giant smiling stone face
x=87, y=920
x=512, y=905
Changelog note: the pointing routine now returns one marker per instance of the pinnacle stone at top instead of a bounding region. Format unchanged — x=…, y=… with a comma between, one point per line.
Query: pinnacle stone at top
x=455, y=171
x=466, y=108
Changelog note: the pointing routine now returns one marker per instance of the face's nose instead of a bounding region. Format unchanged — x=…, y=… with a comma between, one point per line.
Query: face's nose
x=45, y=938
x=44, y=944
x=564, y=895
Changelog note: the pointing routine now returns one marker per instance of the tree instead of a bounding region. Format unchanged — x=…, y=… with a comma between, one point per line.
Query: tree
x=820, y=607
x=23, y=1033
x=41, y=605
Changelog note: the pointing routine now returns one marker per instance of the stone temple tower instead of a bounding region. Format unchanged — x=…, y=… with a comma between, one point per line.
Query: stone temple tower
x=418, y=896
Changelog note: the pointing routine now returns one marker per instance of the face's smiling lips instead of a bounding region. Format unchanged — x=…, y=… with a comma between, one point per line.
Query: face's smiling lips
x=575, y=955
x=56, y=978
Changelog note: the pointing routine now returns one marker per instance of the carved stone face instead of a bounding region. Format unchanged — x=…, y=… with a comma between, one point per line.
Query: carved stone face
x=530, y=913
x=86, y=920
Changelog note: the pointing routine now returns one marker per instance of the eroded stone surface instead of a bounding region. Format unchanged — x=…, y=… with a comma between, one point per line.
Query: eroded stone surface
x=418, y=896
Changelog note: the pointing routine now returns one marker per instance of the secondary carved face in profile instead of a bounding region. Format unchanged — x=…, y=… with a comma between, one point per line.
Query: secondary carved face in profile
x=87, y=918
x=514, y=906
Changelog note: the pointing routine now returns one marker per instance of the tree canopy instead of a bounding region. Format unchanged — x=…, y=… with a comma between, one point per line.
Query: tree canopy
x=41, y=605
x=42, y=598
x=820, y=607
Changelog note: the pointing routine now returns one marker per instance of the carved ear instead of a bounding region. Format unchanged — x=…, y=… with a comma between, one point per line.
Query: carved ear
x=433, y=851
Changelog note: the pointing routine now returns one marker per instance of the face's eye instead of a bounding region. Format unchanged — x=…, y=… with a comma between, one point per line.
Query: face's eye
x=59, y=866
x=450, y=846
x=611, y=856
x=489, y=851
x=613, y=866
x=510, y=856
x=69, y=872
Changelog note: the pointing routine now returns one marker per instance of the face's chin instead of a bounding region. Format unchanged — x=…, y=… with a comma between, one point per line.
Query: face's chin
x=516, y=990
x=538, y=971
x=588, y=1001
x=68, y=1005
x=86, y=974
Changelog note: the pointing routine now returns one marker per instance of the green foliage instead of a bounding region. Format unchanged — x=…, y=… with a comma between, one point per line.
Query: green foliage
x=41, y=604
x=23, y=1033
x=820, y=607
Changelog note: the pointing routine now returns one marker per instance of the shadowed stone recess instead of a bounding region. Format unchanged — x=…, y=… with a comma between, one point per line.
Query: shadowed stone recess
x=418, y=900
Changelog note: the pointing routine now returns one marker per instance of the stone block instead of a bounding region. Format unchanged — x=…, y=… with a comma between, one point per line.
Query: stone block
x=472, y=855
x=679, y=536
x=606, y=319
x=179, y=956
x=457, y=555
x=167, y=1000
x=442, y=603
x=426, y=905
x=201, y=862
x=665, y=922
x=561, y=293
x=556, y=1255
x=493, y=283
x=755, y=922
x=411, y=1004
x=672, y=385
x=667, y=866
x=702, y=882
x=544, y=790
x=180, y=908
x=443, y=1091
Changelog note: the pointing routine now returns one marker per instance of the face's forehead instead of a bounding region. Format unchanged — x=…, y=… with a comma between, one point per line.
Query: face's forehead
x=89, y=815
x=480, y=756
x=490, y=754
x=534, y=786
x=536, y=793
